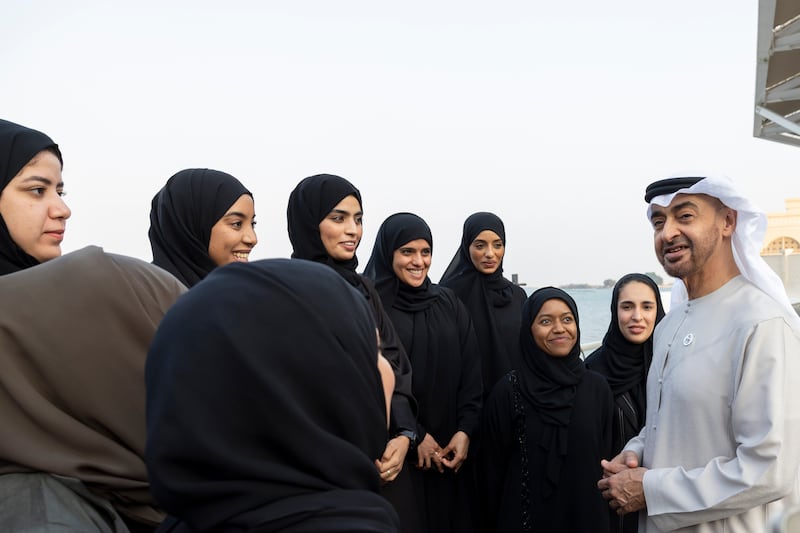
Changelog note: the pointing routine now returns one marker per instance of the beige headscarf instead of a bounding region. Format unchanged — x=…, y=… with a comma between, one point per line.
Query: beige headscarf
x=74, y=335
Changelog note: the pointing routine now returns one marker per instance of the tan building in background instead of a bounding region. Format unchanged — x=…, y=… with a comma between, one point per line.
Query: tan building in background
x=782, y=246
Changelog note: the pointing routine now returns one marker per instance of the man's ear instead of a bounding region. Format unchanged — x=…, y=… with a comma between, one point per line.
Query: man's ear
x=730, y=218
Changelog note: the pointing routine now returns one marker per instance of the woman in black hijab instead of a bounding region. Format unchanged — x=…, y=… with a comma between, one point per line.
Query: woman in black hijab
x=436, y=331
x=624, y=359
x=33, y=216
x=324, y=218
x=267, y=413
x=476, y=276
x=199, y=220
x=546, y=427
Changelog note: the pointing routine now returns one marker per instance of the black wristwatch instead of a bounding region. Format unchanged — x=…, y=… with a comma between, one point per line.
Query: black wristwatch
x=412, y=437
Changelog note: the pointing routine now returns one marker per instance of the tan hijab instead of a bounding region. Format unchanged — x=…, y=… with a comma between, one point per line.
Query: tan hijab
x=74, y=335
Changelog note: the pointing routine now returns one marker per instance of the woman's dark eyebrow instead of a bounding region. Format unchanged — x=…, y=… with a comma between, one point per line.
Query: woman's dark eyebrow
x=645, y=302
x=42, y=180
x=345, y=212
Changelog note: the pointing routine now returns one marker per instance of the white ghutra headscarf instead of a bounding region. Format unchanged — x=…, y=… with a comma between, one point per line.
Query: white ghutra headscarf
x=751, y=226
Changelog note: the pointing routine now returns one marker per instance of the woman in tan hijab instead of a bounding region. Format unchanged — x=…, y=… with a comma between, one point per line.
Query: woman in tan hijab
x=74, y=334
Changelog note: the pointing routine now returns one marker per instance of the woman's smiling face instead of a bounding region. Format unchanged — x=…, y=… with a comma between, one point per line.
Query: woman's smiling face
x=554, y=329
x=341, y=230
x=234, y=235
x=412, y=261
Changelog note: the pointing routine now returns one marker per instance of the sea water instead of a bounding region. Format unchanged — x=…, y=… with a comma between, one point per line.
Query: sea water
x=594, y=311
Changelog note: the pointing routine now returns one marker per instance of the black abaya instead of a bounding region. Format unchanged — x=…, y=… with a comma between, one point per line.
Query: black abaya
x=546, y=427
x=437, y=332
x=575, y=505
x=624, y=365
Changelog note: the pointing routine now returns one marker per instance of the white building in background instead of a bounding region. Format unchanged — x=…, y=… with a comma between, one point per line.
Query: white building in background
x=782, y=246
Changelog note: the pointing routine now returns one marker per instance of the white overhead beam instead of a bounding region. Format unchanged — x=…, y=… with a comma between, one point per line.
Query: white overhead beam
x=779, y=120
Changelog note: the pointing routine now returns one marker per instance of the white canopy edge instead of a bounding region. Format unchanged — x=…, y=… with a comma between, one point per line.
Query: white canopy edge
x=777, y=95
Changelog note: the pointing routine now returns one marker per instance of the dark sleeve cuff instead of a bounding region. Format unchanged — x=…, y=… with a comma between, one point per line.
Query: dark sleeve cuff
x=402, y=418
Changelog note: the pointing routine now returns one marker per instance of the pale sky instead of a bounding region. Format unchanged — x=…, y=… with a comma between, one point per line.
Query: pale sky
x=554, y=115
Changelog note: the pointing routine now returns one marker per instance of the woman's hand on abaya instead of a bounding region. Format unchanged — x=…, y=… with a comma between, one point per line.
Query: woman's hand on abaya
x=430, y=454
x=391, y=463
x=455, y=453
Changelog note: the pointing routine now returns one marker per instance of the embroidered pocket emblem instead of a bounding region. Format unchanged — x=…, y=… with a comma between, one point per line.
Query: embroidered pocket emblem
x=688, y=339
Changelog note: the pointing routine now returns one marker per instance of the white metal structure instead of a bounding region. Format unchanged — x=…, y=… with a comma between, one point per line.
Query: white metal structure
x=777, y=102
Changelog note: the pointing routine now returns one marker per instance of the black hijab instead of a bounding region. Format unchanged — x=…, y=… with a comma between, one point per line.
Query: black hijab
x=397, y=230
x=461, y=264
x=265, y=408
x=623, y=363
x=486, y=297
x=309, y=203
x=181, y=217
x=550, y=383
x=18, y=145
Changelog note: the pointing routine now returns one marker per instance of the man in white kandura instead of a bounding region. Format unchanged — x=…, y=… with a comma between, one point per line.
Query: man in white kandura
x=720, y=450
